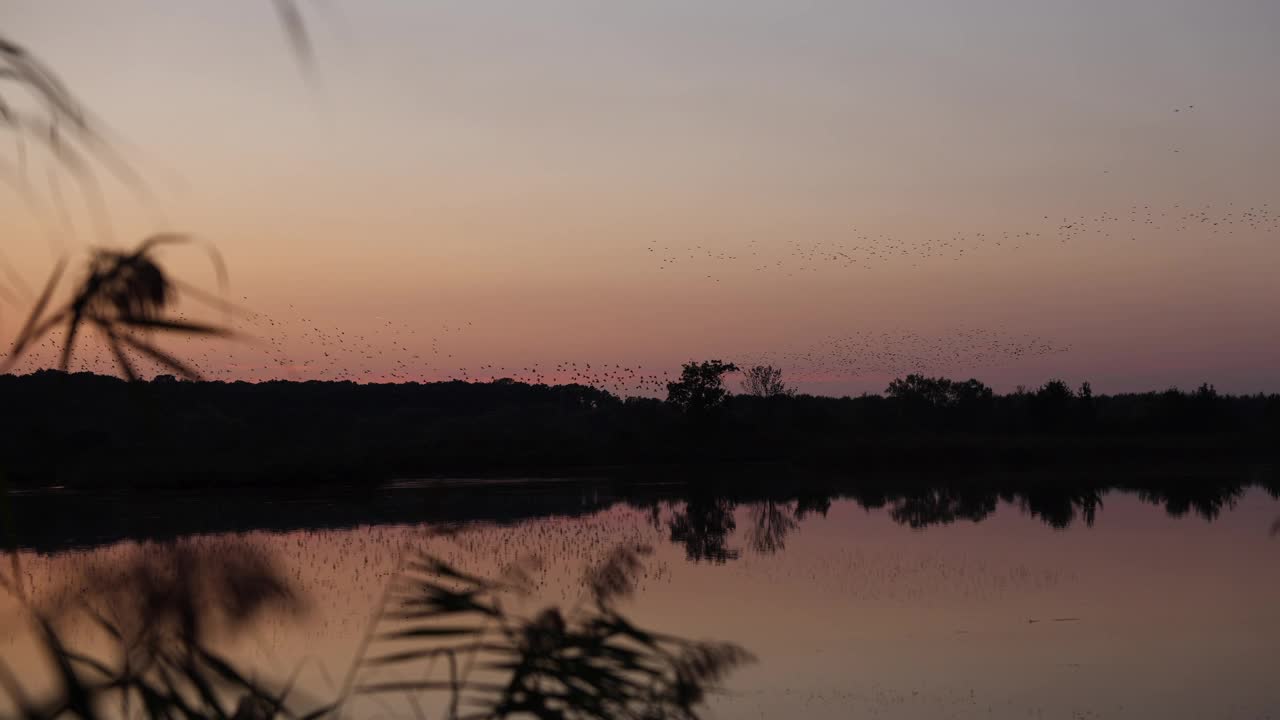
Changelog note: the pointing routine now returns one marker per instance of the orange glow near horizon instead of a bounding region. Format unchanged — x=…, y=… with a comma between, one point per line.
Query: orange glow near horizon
x=1008, y=191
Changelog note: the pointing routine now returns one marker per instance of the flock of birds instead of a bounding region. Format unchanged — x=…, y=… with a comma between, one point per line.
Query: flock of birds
x=292, y=346
x=338, y=576
x=301, y=349
x=868, y=250
x=883, y=353
x=390, y=352
x=287, y=345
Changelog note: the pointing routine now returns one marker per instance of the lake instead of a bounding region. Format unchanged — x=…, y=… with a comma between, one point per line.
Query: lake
x=1004, y=598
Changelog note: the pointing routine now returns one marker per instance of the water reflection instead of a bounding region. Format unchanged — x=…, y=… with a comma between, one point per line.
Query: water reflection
x=703, y=519
x=702, y=525
x=898, y=598
x=197, y=590
x=770, y=523
x=702, y=510
x=587, y=661
x=157, y=622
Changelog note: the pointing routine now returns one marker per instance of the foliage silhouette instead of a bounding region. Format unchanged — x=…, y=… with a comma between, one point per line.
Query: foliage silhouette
x=123, y=292
x=765, y=381
x=123, y=295
x=589, y=662
x=700, y=388
x=162, y=665
x=38, y=109
x=181, y=590
x=940, y=401
x=83, y=429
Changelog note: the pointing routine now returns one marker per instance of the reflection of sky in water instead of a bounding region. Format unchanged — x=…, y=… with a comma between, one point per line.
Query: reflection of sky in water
x=852, y=614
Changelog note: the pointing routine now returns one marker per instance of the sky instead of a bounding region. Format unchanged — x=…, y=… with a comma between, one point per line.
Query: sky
x=1013, y=191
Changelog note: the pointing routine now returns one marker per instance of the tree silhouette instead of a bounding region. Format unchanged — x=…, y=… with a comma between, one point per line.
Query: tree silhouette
x=700, y=387
x=765, y=381
x=1051, y=405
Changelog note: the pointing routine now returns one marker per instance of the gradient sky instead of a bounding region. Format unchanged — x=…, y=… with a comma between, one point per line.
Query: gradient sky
x=498, y=182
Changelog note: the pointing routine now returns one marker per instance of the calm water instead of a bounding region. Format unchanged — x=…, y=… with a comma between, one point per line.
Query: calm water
x=851, y=610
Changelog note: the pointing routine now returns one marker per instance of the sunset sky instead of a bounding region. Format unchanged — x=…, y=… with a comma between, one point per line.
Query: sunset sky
x=1012, y=190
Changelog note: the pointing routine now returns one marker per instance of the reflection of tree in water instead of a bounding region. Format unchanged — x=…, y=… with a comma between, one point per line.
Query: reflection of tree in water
x=1058, y=507
x=1058, y=504
x=1180, y=499
x=941, y=506
x=770, y=523
x=704, y=522
x=811, y=504
x=703, y=526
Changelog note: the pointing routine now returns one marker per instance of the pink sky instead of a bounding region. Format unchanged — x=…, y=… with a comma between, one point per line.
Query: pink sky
x=640, y=185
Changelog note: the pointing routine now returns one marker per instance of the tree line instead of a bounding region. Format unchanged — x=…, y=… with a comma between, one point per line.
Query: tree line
x=83, y=427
